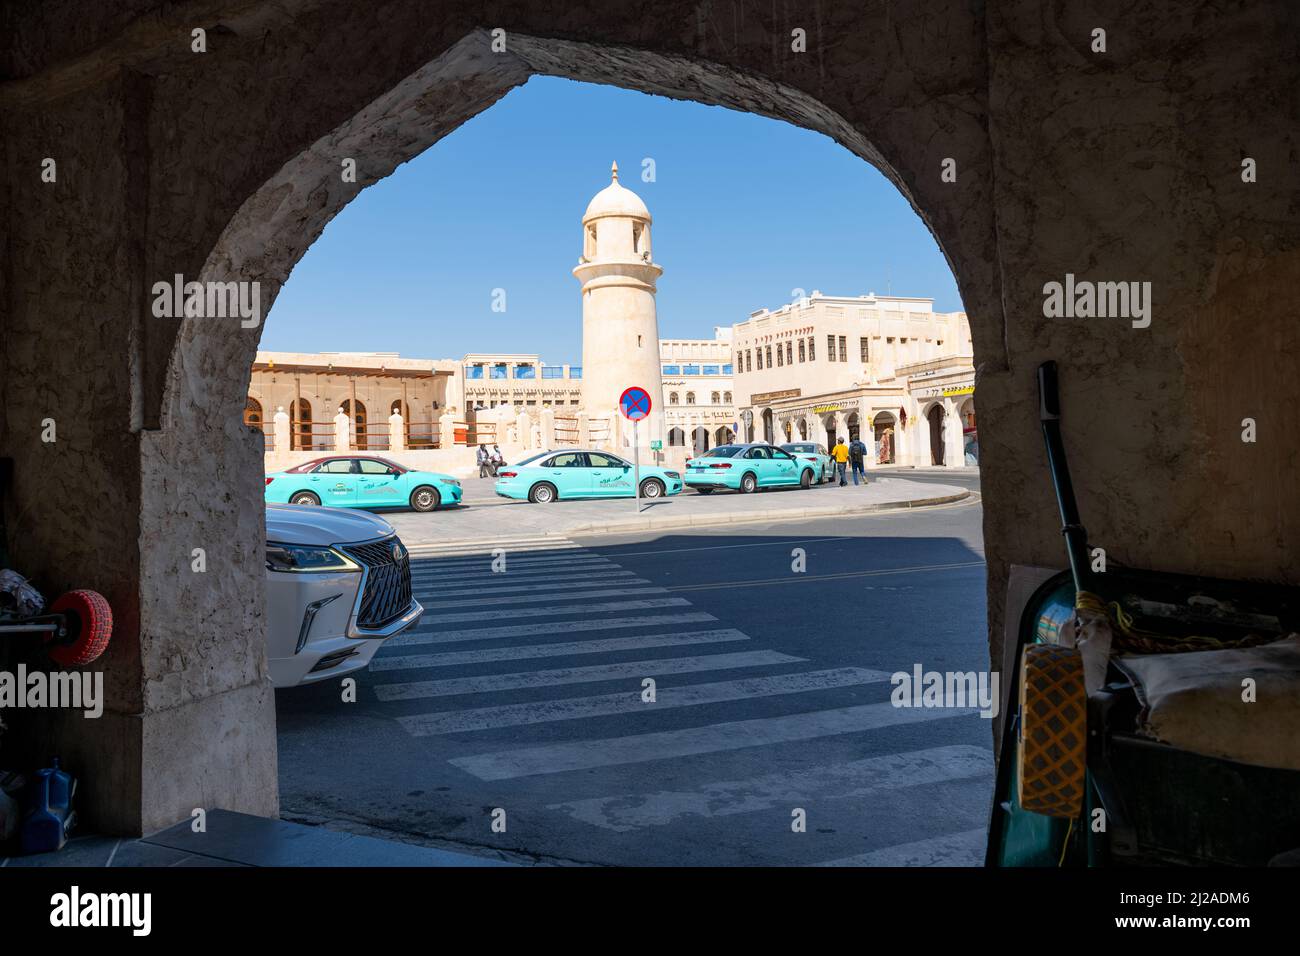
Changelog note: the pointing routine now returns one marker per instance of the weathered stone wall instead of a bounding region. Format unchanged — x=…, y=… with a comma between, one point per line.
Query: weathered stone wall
x=1116, y=166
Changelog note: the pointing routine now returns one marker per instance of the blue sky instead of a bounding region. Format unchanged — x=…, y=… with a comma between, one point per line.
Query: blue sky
x=745, y=210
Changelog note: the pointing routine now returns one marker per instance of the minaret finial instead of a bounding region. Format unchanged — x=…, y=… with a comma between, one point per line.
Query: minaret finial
x=613, y=170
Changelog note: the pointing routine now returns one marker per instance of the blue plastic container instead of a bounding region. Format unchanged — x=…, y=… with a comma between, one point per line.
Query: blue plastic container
x=47, y=813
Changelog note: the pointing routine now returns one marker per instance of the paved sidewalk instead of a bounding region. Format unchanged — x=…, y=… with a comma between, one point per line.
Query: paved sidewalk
x=485, y=519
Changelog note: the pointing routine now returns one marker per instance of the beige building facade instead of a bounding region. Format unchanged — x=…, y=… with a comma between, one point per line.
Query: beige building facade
x=888, y=369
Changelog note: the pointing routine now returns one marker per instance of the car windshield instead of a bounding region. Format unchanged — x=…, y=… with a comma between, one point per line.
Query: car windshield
x=533, y=458
x=722, y=451
x=801, y=449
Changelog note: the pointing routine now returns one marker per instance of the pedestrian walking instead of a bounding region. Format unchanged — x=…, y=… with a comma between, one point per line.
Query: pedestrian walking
x=841, y=455
x=484, y=462
x=857, y=456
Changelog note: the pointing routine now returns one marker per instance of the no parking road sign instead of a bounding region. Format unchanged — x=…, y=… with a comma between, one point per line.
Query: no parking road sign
x=634, y=403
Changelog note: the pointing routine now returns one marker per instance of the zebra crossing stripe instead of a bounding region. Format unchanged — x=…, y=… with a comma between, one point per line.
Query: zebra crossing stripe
x=713, y=738
x=486, y=545
x=629, y=701
x=855, y=779
x=565, y=649
x=535, y=598
x=468, y=617
x=512, y=558
x=558, y=571
x=953, y=849
x=586, y=582
x=488, y=683
x=553, y=627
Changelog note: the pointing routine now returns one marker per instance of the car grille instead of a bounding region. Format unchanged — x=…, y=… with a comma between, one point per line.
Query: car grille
x=388, y=581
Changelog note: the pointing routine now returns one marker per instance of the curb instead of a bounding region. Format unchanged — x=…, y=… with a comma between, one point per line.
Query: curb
x=752, y=517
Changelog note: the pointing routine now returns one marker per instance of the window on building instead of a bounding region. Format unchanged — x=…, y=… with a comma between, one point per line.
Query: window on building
x=672, y=398
x=575, y=371
x=844, y=348
x=552, y=371
x=780, y=354
x=499, y=371
x=759, y=352
x=864, y=349
x=672, y=370
x=676, y=437
x=727, y=370
x=525, y=371
x=803, y=351
x=769, y=356
x=726, y=397
x=690, y=398
x=830, y=348
x=710, y=370
x=690, y=370
x=789, y=353
x=749, y=361
x=573, y=401
x=473, y=371
x=812, y=349
x=713, y=399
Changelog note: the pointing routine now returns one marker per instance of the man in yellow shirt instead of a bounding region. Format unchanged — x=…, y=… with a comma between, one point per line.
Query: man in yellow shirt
x=841, y=455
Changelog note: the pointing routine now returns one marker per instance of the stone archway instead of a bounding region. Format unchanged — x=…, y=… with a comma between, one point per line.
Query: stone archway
x=286, y=94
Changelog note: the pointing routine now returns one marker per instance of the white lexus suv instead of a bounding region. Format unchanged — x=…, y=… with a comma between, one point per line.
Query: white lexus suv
x=338, y=584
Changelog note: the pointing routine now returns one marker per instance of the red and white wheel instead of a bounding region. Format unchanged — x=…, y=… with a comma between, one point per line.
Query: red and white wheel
x=90, y=625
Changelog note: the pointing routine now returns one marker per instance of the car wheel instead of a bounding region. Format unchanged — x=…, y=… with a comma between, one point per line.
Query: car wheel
x=425, y=498
x=304, y=498
x=704, y=491
x=543, y=493
x=652, y=488
x=748, y=484
x=805, y=480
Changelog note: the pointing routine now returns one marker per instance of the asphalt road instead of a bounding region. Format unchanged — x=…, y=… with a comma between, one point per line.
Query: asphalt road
x=524, y=692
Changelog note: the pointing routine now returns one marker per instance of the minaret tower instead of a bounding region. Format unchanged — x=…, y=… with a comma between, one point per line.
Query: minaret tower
x=620, y=328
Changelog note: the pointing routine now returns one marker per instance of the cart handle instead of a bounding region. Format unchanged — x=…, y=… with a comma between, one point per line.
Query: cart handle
x=1076, y=536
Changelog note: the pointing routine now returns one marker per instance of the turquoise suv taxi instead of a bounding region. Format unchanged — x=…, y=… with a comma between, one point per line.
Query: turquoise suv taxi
x=582, y=473
x=747, y=468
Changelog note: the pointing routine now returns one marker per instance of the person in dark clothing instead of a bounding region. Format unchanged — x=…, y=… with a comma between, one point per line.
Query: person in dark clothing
x=858, y=456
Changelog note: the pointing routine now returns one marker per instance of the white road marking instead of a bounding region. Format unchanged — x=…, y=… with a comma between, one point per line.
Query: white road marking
x=565, y=649
x=854, y=779
x=953, y=849
x=487, y=683
x=629, y=701
x=557, y=569
x=456, y=585
x=519, y=613
x=562, y=557
x=734, y=735
x=554, y=627
x=495, y=602
x=588, y=581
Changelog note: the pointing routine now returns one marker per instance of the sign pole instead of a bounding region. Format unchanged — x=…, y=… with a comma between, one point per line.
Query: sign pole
x=636, y=465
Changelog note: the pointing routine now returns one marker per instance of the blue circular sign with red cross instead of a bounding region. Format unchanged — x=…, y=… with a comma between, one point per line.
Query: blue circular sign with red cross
x=634, y=403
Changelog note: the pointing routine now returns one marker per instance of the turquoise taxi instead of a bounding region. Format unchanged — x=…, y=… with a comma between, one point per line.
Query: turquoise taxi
x=811, y=451
x=582, y=473
x=747, y=468
x=361, y=481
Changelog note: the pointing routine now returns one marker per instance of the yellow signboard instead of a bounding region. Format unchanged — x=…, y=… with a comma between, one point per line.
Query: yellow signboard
x=960, y=390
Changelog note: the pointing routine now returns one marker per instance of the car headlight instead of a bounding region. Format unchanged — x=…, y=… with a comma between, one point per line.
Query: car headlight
x=301, y=557
x=450, y=481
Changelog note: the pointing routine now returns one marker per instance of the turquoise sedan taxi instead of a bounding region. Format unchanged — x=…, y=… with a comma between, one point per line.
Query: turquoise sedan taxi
x=582, y=473
x=747, y=468
x=361, y=481
x=811, y=451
